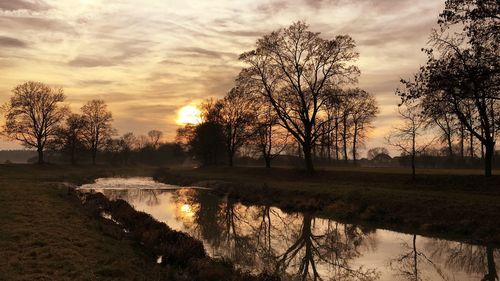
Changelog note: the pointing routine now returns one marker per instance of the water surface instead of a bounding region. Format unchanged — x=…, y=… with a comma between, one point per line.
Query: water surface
x=301, y=246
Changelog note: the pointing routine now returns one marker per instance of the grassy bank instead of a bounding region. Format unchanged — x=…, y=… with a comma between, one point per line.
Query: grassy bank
x=45, y=233
x=48, y=233
x=458, y=204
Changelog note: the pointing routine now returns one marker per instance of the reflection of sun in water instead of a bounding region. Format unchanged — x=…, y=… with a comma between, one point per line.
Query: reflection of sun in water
x=189, y=114
x=186, y=210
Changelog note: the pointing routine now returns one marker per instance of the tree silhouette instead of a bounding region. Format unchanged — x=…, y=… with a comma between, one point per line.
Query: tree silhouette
x=97, y=129
x=70, y=137
x=407, y=137
x=270, y=138
x=155, y=137
x=293, y=68
x=33, y=115
x=364, y=111
x=463, y=70
x=237, y=113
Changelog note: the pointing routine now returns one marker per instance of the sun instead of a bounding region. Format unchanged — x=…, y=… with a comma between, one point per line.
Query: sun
x=189, y=114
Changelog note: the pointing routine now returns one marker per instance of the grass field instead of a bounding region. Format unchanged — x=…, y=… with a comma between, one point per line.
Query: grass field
x=459, y=204
x=46, y=235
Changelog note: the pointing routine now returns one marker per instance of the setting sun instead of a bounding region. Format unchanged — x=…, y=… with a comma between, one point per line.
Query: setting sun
x=189, y=114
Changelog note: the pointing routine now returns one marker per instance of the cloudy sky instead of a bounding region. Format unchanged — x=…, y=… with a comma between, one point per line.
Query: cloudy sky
x=149, y=58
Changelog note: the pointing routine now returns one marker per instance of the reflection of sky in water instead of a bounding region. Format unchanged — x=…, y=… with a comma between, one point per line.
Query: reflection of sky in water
x=260, y=237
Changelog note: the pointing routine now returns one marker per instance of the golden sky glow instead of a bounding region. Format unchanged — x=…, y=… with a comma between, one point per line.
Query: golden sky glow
x=148, y=59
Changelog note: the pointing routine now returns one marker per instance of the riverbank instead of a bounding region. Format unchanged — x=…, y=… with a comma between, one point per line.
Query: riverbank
x=50, y=231
x=46, y=234
x=454, y=204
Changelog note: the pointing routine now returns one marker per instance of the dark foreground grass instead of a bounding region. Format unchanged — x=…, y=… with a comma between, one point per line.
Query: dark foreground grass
x=46, y=235
x=457, y=204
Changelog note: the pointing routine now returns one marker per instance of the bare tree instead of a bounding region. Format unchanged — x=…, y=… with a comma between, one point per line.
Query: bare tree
x=155, y=137
x=270, y=138
x=98, y=127
x=364, y=111
x=33, y=115
x=128, y=143
x=465, y=70
x=334, y=116
x=236, y=116
x=407, y=136
x=70, y=137
x=293, y=68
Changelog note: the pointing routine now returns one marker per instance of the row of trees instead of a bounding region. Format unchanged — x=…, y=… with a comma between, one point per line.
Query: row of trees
x=458, y=89
x=37, y=118
x=290, y=93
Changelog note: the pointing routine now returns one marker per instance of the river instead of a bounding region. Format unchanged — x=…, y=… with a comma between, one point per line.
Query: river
x=300, y=246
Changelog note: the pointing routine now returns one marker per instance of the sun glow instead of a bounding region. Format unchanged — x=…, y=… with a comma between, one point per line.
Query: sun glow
x=187, y=211
x=189, y=114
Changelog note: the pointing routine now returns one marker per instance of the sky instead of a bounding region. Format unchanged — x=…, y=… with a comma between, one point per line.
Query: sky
x=148, y=59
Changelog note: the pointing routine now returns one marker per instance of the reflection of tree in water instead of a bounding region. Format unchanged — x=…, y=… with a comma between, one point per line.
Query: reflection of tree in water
x=263, y=238
x=335, y=248
x=410, y=264
x=469, y=258
x=206, y=209
x=219, y=223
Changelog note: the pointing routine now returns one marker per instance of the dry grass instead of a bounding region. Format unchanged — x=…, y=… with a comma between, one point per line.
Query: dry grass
x=45, y=234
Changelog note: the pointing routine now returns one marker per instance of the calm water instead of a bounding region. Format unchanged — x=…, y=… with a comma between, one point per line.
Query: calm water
x=299, y=245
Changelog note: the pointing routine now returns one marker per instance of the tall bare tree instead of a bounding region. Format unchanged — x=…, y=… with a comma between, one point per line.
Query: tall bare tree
x=236, y=117
x=364, y=111
x=270, y=138
x=293, y=68
x=98, y=127
x=33, y=115
x=408, y=136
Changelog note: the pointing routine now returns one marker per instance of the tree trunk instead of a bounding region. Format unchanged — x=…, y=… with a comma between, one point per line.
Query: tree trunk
x=306, y=148
x=482, y=144
x=268, y=162
x=230, y=158
x=40, y=155
x=354, y=140
x=94, y=155
x=492, y=271
x=471, y=145
x=413, y=154
x=344, y=139
x=462, y=141
x=337, y=139
x=450, y=145
x=415, y=257
x=488, y=159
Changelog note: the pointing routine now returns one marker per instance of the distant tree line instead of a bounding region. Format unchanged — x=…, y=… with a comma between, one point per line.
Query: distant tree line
x=36, y=117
